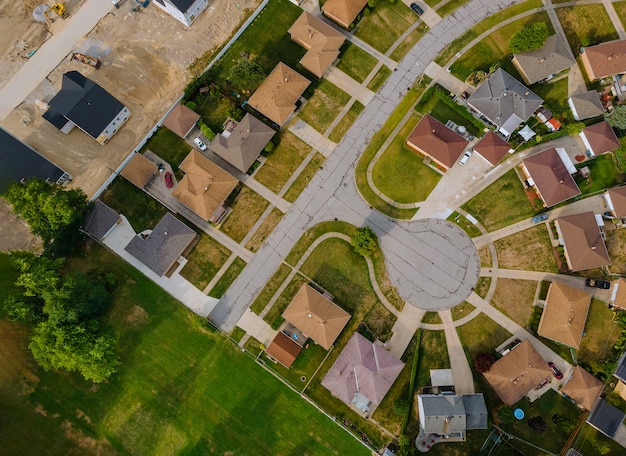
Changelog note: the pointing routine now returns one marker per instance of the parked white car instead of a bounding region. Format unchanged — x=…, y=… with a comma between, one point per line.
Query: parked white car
x=466, y=156
x=198, y=142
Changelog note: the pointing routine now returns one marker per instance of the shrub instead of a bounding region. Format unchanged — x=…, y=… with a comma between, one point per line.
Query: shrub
x=530, y=37
x=483, y=362
x=401, y=406
x=537, y=424
x=364, y=241
x=269, y=147
x=191, y=105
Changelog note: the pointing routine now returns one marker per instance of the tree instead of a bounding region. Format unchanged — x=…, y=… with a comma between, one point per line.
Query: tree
x=529, y=37
x=537, y=424
x=246, y=74
x=364, y=241
x=483, y=362
x=53, y=213
x=191, y=105
x=617, y=117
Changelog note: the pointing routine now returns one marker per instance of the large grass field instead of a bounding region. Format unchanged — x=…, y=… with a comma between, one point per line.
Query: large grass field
x=181, y=389
x=585, y=25
x=502, y=203
x=282, y=161
x=323, y=107
x=400, y=173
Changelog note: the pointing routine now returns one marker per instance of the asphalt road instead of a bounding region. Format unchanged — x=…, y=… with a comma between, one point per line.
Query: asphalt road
x=332, y=192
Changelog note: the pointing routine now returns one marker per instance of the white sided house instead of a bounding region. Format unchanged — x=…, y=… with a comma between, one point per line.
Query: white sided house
x=185, y=11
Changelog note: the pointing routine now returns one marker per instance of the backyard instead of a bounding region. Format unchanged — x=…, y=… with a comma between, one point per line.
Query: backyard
x=169, y=146
x=603, y=174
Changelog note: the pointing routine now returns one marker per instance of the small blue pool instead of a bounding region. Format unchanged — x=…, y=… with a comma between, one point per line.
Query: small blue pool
x=518, y=413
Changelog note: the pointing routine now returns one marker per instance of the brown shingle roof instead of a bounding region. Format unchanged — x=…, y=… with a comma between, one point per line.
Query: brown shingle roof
x=555, y=55
x=276, y=97
x=362, y=367
x=605, y=59
x=283, y=349
x=321, y=40
x=181, y=120
x=518, y=372
x=316, y=316
x=583, y=243
x=563, y=319
x=492, y=148
x=243, y=145
x=434, y=139
x=618, y=199
x=583, y=387
x=139, y=170
x=551, y=177
x=343, y=11
x=600, y=137
x=620, y=297
x=205, y=185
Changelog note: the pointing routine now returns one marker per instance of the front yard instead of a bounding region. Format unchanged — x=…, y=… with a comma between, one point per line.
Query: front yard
x=529, y=250
x=203, y=262
x=246, y=210
x=586, y=25
x=282, y=162
x=515, y=299
x=355, y=62
x=385, y=24
x=323, y=107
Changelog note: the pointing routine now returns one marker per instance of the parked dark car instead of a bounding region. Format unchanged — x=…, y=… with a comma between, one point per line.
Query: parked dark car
x=169, y=183
x=603, y=284
x=417, y=9
x=555, y=370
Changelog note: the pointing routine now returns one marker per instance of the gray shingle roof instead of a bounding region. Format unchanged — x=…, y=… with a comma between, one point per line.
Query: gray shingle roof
x=476, y=415
x=586, y=104
x=100, y=220
x=555, y=55
x=161, y=248
x=606, y=418
x=445, y=414
x=620, y=371
x=505, y=101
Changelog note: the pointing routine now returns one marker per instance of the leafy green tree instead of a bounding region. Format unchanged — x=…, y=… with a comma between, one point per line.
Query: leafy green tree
x=529, y=37
x=53, y=213
x=617, y=117
x=246, y=74
x=191, y=105
x=364, y=241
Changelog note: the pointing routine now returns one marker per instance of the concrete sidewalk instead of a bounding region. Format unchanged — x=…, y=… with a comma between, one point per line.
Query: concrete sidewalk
x=313, y=138
x=404, y=329
x=349, y=85
x=254, y=326
x=447, y=80
x=461, y=371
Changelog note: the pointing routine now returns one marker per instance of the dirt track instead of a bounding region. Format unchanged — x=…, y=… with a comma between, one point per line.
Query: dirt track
x=145, y=57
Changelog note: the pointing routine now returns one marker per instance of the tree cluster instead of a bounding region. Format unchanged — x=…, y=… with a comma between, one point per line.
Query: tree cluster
x=53, y=213
x=617, y=117
x=529, y=37
x=246, y=74
x=364, y=241
x=66, y=312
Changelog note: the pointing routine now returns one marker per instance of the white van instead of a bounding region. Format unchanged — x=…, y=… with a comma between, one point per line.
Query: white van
x=466, y=156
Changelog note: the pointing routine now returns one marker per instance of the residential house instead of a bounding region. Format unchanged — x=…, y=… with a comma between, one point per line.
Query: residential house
x=599, y=138
x=583, y=388
x=565, y=314
x=139, y=170
x=605, y=59
x=585, y=105
x=434, y=140
x=19, y=162
x=521, y=370
x=492, y=148
x=84, y=104
x=618, y=297
x=615, y=201
x=451, y=415
x=343, y=12
x=163, y=246
x=283, y=349
x=316, y=316
x=181, y=120
x=362, y=374
x=608, y=420
x=205, y=187
x=100, y=221
x=504, y=101
x=542, y=64
x=185, y=11
x=241, y=143
x=549, y=173
x=582, y=238
x=276, y=97
x=321, y=41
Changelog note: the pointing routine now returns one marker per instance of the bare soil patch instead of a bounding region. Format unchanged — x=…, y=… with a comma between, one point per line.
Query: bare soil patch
x=515, y=298
x=14, y=232
x=485, y=257
x=530, y=249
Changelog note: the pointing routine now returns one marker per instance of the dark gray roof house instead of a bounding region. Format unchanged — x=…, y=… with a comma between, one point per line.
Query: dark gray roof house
x=451, y=415
x=585, y=105
x=504, y=101
x=620, y=371
x=606, y=418
x=241, y=143
x=541, y=64
x=19, y=161
x=100, y=220
x=160, y=249
x=83, y=103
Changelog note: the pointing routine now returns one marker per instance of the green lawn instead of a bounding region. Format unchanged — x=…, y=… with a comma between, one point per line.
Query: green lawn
x=169, y=146
x=379, y=79
x=215, y=110
x=271, y=286
x=307, y=362
x=247, y=209
x=502, y=203
x=282, y=161
x=181, y=389
x=323, y=107
x=554, y=95
x=355, y=62
x=433, y=355
x=264, y=230
x=620, y=9
x=450, y=6
x=586, y=25
x=604, y=174
x=494, y=48
x=463, y=223
x=206, y=258
x=142, y=211
x=432, y=318
x=227, y=278
x=386, y=23
x=465, y=308
x=482, y=286
x=438, y=104
x=304, y=177
x=481, y=335
x=400, y=173
x=409, y=42
x=515, y=298
x=601, y=333
x=346, y=121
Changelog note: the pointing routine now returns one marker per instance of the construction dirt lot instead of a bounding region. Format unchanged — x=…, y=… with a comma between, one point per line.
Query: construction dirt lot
x=145, y=59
